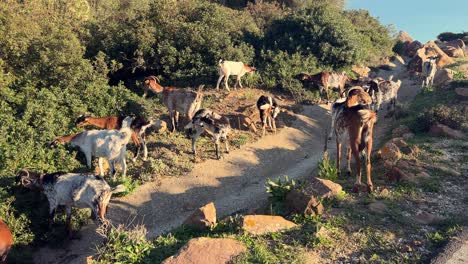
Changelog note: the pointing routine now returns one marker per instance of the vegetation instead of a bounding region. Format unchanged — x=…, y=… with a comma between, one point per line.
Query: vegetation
x=90, y=57
x=449, y=36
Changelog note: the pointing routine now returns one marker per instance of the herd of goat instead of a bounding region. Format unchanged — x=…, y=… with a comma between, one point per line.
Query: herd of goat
x=353, y=119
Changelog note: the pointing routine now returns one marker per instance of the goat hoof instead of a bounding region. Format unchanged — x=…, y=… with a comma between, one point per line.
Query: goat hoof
x=370, y=188
x=355, y=188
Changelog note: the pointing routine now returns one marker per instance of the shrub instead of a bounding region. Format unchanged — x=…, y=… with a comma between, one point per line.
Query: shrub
x=443, y=114
x=327, y=168
x=279, y=189
x=123, y=245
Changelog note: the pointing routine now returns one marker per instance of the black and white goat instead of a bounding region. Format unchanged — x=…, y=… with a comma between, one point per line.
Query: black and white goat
x=269, y=110
x=384, y=92
x=429, y=69
x=79, y=190
x=216, y=125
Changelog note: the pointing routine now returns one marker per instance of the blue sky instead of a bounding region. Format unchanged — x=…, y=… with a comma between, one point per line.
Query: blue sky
x=422, y=19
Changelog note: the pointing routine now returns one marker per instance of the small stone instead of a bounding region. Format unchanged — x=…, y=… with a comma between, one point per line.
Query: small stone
x=390, y=152
x=423, y=174
x=378, y=207
x=385, y=192
x=203, y=218
x=263, y=224
x=406, y=248
x=400, y=131
x=426, y=218
x=408, y=135
x=445, y=131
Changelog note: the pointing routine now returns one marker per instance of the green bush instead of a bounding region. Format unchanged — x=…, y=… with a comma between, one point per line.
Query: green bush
x=279, y=189
x=443, y=114
x=123, y=245
x=327, y=168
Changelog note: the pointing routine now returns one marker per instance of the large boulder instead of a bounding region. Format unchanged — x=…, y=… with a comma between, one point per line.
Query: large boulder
x=404, y=37
x=454, y=48
x=430, y=49
x=443, y=76
x=455, y=52
x=203, y=218
x=264, y=224
x=412, y=48
x=207, y=250
x=445, y=131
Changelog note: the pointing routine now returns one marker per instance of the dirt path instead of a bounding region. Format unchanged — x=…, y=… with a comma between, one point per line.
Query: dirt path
x=235, y=183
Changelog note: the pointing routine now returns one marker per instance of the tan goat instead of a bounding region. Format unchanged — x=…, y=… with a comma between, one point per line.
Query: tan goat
x=176, y=100
x=353, y=127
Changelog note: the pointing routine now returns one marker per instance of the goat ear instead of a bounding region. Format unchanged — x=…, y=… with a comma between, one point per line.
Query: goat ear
x=265, y=106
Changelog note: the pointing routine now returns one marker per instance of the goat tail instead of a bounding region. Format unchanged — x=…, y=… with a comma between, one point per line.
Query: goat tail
x=220, y=61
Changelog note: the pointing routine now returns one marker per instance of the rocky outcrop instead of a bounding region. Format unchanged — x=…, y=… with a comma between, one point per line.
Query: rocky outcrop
x=205, y=250
x=203, y=218
x=430, y=49
x=264, y=224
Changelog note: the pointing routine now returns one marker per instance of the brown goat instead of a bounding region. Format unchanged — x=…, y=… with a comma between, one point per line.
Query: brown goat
x=325, y=80
x=6, y=241
x=115, y=122
x=353, y=127
x=176, y=100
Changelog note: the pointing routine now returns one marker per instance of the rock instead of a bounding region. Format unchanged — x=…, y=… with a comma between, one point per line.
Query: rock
x=160, y=126
x=430, y=49
x=203, y=218
x=263, y=224
x=454, y=52
x=399, y=142
x=303, y=203
x=361, y=71
x=426, y=218
x=400, y=131
x=307, y=200
x=390, y=152
x=378, y=207
x=462, y=93
x=445, y=131
x=412, y=48
x=322, y=188
x=423, y=174
x=443, y=76
x=408, y=135
x=396, y=174
x=207, y=250
x=404, y=37
x=385, y=193
x=406, y=248
x=411, y=151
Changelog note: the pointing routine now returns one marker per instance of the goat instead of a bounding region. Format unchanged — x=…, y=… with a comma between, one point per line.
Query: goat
x=79, y=190
x=6, y=241
x=383, y=92
x=429, y=69
x=228, y=68
x=325, y=80
x=176, y=100
x=354, y=127
x=111, y=144
x=216, y=125
x=139, y=126
x=269, y=110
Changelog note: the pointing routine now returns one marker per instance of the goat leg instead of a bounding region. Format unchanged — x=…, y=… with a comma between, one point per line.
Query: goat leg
x=219, y=81
x=145, y=148
x=218, y=156
x=68, y=221
x=226, y=144
x=338, y=155
x=101, y=170
x=348, y=159
x=355, y=152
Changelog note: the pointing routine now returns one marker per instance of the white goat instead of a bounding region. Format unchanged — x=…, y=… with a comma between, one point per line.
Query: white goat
x=429, y=69
x=384, y=92
x=110, y=144
x=228, y=68
x=72, y=190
